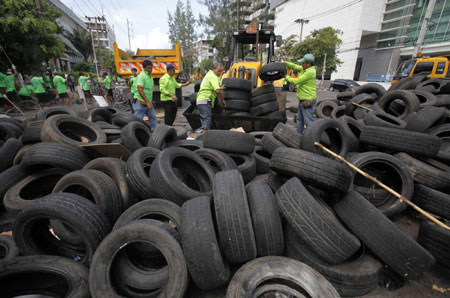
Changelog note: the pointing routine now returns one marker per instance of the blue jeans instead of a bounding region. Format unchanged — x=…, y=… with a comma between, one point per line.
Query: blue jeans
x=304, y=116
x=141, y=110
x=205, y=115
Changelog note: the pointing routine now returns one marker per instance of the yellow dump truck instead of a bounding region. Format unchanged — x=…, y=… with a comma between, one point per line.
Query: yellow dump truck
x=433, y=67
x=159, y=57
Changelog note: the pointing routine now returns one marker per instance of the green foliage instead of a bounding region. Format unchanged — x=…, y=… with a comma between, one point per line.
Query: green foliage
x=284, y=52
x=182, y=30
x=28, y=36
x=109, y=61
x=206, y=65
x=82, y=67
x=319, y=42
x=82, y=41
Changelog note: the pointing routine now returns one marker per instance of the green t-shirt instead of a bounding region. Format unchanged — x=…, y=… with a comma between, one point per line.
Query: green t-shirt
x=133, y=83
x=168, y=85
x=145, y=81
x=306, y=81
x=83, y=82
x=208, y=88
x=47, y=81
x=60, y=84
x=9, y=81
x=26, y=90
x=107, y=82
x=38, y=85
x=2, y=80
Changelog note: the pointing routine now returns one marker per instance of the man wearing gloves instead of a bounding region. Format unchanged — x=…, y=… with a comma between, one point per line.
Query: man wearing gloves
x=306, y=89
x=167, y=87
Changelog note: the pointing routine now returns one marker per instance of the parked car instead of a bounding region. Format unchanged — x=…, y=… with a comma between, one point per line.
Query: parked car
x=343, y=85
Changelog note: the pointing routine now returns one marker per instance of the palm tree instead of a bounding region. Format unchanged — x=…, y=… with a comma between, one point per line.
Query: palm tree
x=82, y=41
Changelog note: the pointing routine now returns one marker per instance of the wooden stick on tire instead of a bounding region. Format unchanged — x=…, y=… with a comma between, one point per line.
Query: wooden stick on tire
x=362, y=107
x=375, y=180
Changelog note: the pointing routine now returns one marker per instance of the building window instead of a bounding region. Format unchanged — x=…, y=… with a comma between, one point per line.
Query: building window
x=440, y=68
x=424, y=68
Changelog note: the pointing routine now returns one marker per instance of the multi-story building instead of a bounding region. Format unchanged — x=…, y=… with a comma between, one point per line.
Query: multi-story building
x=204, y=50
x=70, y=22
x=103, y=34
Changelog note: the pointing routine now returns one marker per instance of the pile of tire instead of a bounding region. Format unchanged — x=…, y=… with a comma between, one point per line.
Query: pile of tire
x=263, y=101
x=236, y=95
x=177, y=214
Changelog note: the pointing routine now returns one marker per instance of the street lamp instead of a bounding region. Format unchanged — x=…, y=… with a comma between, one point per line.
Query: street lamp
x=301, y=22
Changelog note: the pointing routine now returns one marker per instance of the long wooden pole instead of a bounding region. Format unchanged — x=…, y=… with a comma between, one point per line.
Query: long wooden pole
x=375, y=180
x=362, y=107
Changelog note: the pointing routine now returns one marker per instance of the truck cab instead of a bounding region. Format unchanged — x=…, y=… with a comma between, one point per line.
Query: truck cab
x=433, y=67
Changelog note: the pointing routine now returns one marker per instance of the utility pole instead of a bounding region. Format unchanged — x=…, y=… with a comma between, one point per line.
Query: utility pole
x=98, y=42
x=301, y=22
x=129, y=39
x=324, y=68
x=93, y=50
x=423, y=29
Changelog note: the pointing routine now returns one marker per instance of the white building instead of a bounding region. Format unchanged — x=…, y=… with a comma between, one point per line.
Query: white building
x=355, y=18
x=204, y=50
x=102, y=33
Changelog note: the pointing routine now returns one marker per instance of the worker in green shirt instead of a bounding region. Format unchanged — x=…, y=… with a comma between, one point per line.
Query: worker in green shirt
x=108, y=87
x=61, y=88
x=83, y=82
x=306, y=89
x=206, y=96
x=3, y=101
x=38, y=89
x=143, y=105
x=133, y=87
x=47, y=82
x=10, y=84
x=25, y=92
x=167, y=87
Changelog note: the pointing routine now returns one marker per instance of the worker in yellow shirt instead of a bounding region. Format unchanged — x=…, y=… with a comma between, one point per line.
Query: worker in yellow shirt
x=167, y=87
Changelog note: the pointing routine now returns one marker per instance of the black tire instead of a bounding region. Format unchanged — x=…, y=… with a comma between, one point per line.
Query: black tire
x=32, y=132
x=426, y=98
x=135, y=135
x=426, y=174
x=443, y=101
x=326, y=235
x=287, y=135
x=426, y=118
x=270, y=143
x=262, y=159
x=325, y=108
x=187, y=144
x=442, y=86
x=441, y=131
x=123, y=118
x=389, y=170
x=33, y=187
x=334, y=132
x=312, y=169
x=9, y=130
x=163, y=134
x=285, y=271
x=432, y=200
x=276, y=180
x=374, y=89
x=52, y=111
x=276, y=115
x=9, y=178
x=117, y=170
x=8, y=249
x=95, y=186
x=234, y=225
x=138, y=171
x=375, y=195
x=266, y=88
x=31, y=232
x=351, y=129
x=382, y=119
x=178, y=175
x=353, y=278
x=408, y=83
x=345, y=95
x=7, y=152
x=246, y=164
x=240, y=84
x=229, y=141
x=19, y=124
x=235, y=93
x=70, y=130
x=383, y=237
x=103, y=286
x=361, y=99
x=38, y=275
x=263, y=98
x=238, y=104
x=409, y=99
x=272, y=72
x=182, y=133
x=436, y=241
x=206, y=265
x=259, y=135
x=266, y=220
x=216, y=159
x=106, y=113
x=401, y=140
x=264, y=108
x=338, y=112
x=46, y=155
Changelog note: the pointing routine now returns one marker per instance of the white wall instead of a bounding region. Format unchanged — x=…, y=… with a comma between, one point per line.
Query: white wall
x=364, y=15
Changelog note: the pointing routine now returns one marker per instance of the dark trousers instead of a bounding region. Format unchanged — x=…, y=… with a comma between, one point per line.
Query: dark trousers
x=170, y=111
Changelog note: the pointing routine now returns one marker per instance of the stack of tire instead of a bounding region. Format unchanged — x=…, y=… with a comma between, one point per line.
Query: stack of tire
x=273, y=205
x=263, y=102
x=236, y=94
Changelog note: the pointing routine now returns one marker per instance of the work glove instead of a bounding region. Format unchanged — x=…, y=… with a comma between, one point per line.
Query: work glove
x=301, y=61
x=13, y=66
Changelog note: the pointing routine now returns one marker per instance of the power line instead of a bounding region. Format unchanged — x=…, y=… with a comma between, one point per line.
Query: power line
x=334, y=10
x=118, y=11
x=112, y=18
x=76, y=3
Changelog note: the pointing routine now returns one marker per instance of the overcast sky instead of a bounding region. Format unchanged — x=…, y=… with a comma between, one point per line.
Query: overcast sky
x=149, y=18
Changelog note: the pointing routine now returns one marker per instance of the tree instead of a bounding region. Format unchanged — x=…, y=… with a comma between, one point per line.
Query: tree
x=319, y=42
x=109, y=61
x=206, y=65
x=82, y=41
x=284, y=52
x=182, y=29
x=28, y=35
x=82, y=67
